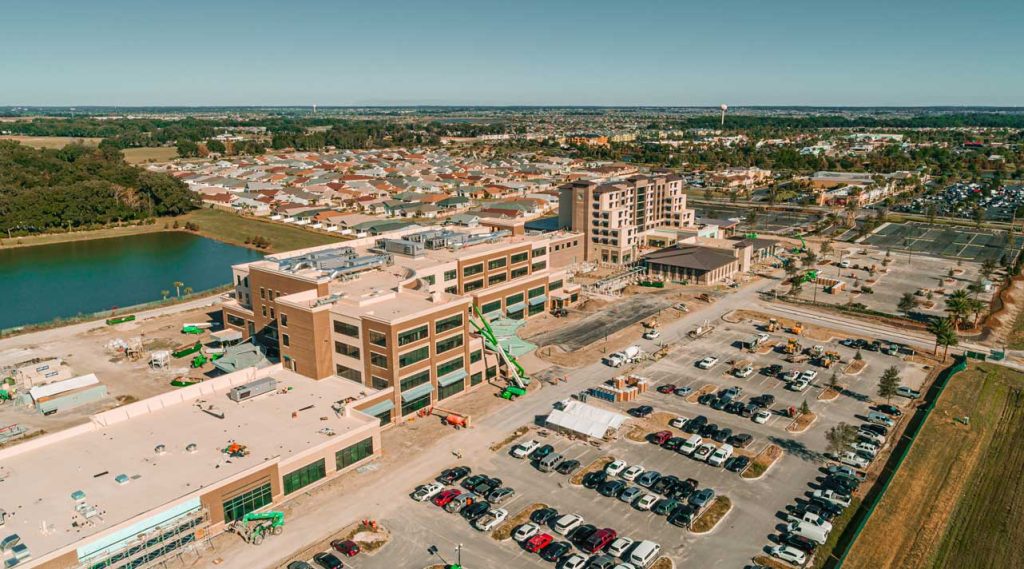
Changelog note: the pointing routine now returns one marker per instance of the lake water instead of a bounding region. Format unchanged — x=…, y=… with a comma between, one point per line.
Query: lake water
x=38, y=284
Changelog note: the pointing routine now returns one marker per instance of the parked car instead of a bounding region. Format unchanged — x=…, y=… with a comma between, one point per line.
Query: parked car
x=328, y=561
x=660, y=437
x=491, y=519
x=555, y=550
x=664, y=506
x=720, y=455
x=475, y=510
x=721, y=435
x=772, y=370
x=832, y=496
x=904, y=391
x=708, y=430
x=541, y=452
x=761, y=417
x=704, y=451
x=538, y=542
x=619, y=547
x=523, y=450
x=346, y=547
x=652, y=335
x=632, y=472
x=612, y=489
x=741, y=440
x=645, y=502
x=472, y=481
x=890, y=410
x=667, y=388
x=683, y=515
x=444, y=498
x=798, y=385
x=871, y=436
x=701, y=498
x=880, y=429
x=568, y=467
x=673, y=444
x=881, y=419
x=427, y=491
x=809, y=375
x=599, y=540
x=579, y=535
x=789, y=554
x=695, y=424
x=592, y=480
x=574, y=561
x=663, y=483
x=737, y=463
x=525, y=531
x=798, y=541
x=683, y=391
x=630, y=494
x=791, y=375
x=707, y=362
x=453, y=475
x=299, y=565
x=683, y=490
x=678, y=422
x=835, y=469
x=615, y=467
x=543, y=515
x=853, y=459
x=501, y=495
x=647, y=479
x=641, y=411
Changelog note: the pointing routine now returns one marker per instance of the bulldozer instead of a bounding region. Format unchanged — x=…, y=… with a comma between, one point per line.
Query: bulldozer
x=798, y=328
x=254, y=526
x=773, y=325
x=793, y=347
x=828, y=359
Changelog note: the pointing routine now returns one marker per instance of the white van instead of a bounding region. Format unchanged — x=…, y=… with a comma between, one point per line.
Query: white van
x=813, y=532
x=550, y=462
x=644, y=554
x=691, y=444
x=721, y=455
x=881, y=419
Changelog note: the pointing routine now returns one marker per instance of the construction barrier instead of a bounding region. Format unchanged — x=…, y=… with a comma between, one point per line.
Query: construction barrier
x=892, y=466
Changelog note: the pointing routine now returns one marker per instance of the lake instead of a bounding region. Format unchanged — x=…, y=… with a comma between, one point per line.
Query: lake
x=38, y=284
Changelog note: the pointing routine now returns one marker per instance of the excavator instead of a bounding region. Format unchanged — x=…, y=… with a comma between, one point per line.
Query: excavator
x=255, y=526
x=517, y=375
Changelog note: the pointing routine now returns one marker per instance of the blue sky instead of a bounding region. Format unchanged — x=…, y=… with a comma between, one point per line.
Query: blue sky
x=519, y=52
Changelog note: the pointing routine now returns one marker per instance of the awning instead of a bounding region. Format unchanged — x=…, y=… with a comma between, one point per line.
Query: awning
x=417, y=392
x=517, y=307
x=538, y=300
x=492, y=315
x=227, y=335
x=453, y=377
x=379, y=408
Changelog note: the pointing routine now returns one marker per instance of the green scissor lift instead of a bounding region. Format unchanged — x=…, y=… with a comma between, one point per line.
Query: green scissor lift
x=517, y=374
x=256, y=525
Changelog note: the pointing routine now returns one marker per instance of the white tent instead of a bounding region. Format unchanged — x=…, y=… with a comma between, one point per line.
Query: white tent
x=585, y=419
x=57, y=387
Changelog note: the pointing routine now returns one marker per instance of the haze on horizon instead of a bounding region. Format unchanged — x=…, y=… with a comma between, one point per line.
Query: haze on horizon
x=462, y=52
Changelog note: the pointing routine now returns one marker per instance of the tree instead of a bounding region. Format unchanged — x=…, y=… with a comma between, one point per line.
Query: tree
x=215, y=146
x=805, y=408
x=888, y=383
x=165, y=293
x=752, y=217
x=177, y=288
x=945, y=335
x=810, y=258
x=988, y=266
x=979, y=216
x=958, y=306
x=187, y=149
x=833, y=381
x=188, y=290
x=907, y=303
x=826, y=247
x=840, y=438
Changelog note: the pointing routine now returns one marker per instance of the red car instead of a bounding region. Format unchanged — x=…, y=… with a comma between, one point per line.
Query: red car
x=660, y=437
x=599, y=540
x=538, y=542
x=667, y=388
x=347, y=547
x=443, y=498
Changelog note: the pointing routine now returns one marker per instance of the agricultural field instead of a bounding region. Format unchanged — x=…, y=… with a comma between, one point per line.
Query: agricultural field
x=232, y=228
x=50, y=141
x=144, y=155
x=954, y=502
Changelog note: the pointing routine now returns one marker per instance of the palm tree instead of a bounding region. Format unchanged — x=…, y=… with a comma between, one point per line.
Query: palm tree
x=177, y=287
x=188, y=290
x=945, y=335
x=165, y=293
x=957, y=305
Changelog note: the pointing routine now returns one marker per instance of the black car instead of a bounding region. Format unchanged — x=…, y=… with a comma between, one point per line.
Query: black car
x=707, y=399
x=682, y=516
x=719, y=403
x=825, y=505
x=328, y=561
x=772, y=370
x=749, y=409
x=766, y=400
x=541, y=452
x=798, y=541
x=741, y=440
x=695, y=424
x=890, y=410
x=555, y=550
x=708, y=430
x=568, y=467
x=544, y=515
x=737, y=463
x=581, y=534
x=815, y=509
x=475, y=510
x=664, y=483
x=682, y=490
x=453, y=475
x=734, y=407
x=674, y=443
x=612, y=489
x=841, y=484
x=721, y=435
x=594, y=479
x=472, y=481
x=641, y=411
x=877, y=429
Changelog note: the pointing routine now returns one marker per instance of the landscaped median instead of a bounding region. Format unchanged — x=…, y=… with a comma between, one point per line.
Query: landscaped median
x=762, y=462
x=505, y=530
x=509, y=439
x=801, y=423
x=711, y=516
x=663, y=563
x=693, y=397
x=598, y=464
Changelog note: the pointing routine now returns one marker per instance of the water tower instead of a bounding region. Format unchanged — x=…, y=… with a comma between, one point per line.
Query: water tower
x=724, y=108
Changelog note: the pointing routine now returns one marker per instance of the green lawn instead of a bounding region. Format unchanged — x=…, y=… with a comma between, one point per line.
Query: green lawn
x=232, y=228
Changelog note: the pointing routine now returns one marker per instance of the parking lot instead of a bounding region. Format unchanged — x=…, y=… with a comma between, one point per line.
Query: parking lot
x=944, y=241
x=758, y=506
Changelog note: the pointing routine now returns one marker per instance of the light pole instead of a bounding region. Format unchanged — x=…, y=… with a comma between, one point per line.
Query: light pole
x=458, y=552
x=432, y=550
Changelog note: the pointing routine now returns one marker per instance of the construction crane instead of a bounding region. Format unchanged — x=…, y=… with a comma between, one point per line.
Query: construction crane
x=255, y=526
x=516, y=371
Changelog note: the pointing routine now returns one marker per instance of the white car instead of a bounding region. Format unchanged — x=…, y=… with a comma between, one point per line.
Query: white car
x=567, y=523
x=871, y=436
x=427, y=491
x=708, y=362
x=491, y=519
x=526, y=531
x=615, y=467
x=789, y=553
x=799, y=385
x=646, y=502
x=809, y=375
x=619, y=546
x=704, y=451
x=866, y=447
x=523, y=450
x=790, y=375
x=762, y=337
x=574, y=561
x=651, y=335
x=624, y=565
x=853, y=459
x=761, y=416
x=678, y=422
x=834, y=497
x=632, y=472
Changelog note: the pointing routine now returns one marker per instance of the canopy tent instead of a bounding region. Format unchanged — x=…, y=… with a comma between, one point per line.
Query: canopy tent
x=585, y=419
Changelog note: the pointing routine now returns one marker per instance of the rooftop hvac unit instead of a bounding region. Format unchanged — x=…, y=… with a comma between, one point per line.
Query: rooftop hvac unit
x=252, y=389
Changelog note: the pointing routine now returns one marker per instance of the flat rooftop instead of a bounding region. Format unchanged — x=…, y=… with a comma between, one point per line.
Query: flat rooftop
x=37, y=494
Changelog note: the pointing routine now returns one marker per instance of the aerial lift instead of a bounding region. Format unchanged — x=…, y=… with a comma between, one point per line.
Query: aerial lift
x=517, y=374
x=255, y=526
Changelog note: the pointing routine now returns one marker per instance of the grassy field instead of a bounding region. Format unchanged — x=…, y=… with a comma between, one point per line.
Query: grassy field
x=143, y=155
x=50, y=141
x=956, y=501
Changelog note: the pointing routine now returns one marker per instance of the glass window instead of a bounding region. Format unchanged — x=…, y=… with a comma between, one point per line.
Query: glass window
x=535, y=292
x=263, y=292
x=348, y=456
x=520, y=257
x=237, y=507
x=474, y=285
x=450, y=275
x=515, y=298
x=476, y=378
x=448, y=344
x=348, y=373
x=446, y=391
x=473, y=270
x=540, y=251
x=264, y=310
x=445, y=324
x=378, y=339
x=304, y=476
x=498, y=278
x=346, y=350
x=379, y=360
x=448, y=367
x=492, y=372
x=520, y=272
x=417, y=355
x=414, y=335
x=536, y=309
x=476, y=356
x=497, y=263
x=284, y=319
x=235, y=320
x=490, y=307
x=430, y=279
x=379, y=382
x=540, y=266
x=285, y=340
x=555, y=285
x=415, y=379
x=415, y=404
x=452, y=290
x=346, y=329
x=385, y=417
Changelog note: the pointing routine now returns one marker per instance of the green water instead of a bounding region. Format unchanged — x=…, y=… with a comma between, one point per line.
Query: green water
x=38, y=284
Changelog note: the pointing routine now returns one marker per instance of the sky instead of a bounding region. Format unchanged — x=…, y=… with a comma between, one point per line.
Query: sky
x=511, y=52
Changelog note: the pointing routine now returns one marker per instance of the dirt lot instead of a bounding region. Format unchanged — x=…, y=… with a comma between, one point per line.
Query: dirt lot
x=940, y=510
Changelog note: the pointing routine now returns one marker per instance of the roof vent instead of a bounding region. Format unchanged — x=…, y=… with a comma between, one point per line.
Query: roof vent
x=192, y=448
x=121, y=479
x=160, y=449
x=78, y=495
